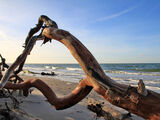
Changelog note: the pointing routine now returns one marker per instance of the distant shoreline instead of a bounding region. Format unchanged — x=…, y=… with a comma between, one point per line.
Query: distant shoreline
x=99, y=63
x=123, y=73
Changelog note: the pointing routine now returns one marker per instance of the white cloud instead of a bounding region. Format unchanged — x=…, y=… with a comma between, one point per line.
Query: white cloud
x=116, y=14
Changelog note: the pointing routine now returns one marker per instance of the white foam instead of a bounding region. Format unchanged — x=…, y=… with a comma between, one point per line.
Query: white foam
x=54, y=68
x=73, y=69
x=134, y=73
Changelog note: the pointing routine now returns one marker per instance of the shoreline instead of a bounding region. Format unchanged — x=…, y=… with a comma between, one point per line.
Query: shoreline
x=129, y=74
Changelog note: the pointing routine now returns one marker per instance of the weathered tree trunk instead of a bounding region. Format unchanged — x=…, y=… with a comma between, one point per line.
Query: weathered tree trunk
x=142, y=102
x=124, y=96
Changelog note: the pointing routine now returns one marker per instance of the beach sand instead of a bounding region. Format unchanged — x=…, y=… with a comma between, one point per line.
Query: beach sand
x=36, y=104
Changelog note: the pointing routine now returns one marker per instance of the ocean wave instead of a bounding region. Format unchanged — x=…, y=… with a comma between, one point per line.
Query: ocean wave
x=134, y=73
x=148, y=70
x=150, y=84
x=73, y=69
x=52, y=67
x=156, y=89
x=47, y=67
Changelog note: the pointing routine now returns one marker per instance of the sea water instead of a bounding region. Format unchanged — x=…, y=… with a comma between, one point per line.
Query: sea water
x=122, y=73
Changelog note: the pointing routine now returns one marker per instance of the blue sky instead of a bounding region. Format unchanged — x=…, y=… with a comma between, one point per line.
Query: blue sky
x=115, y=31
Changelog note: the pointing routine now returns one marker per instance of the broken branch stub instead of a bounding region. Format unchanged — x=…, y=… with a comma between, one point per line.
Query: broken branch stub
x=42, y=19
x=141, y=88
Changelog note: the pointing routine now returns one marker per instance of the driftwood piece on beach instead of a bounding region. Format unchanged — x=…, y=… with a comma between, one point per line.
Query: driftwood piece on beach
x=140, y=101
x=96, y=107
x=100, y=112
x=9, y=112
x=108, y=112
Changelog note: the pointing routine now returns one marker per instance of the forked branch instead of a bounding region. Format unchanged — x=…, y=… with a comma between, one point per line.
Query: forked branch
x=29, y=43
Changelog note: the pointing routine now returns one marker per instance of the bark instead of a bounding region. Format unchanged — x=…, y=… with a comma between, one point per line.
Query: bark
x=142, y=102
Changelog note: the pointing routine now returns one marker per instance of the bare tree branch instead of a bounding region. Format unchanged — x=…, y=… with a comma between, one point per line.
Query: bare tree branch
x=80, y=92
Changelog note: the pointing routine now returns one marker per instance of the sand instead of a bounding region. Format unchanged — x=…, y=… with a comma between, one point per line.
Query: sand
x=37, y=106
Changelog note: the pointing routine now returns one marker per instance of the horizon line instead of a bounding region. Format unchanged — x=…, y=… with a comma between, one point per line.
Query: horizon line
x=101, y=63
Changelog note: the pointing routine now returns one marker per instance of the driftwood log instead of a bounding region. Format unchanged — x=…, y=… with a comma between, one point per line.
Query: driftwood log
x=137, y=100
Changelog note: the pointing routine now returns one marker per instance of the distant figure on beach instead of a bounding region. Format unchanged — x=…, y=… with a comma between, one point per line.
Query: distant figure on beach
x=3, y=63
x=52, y=73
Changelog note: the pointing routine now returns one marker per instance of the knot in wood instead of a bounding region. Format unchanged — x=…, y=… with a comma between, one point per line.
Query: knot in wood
x=134, y=98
